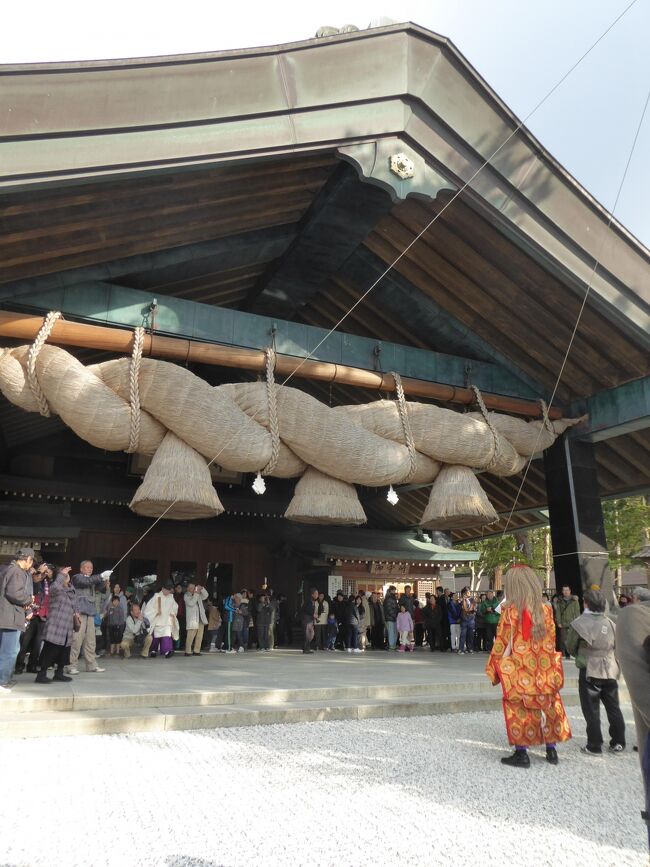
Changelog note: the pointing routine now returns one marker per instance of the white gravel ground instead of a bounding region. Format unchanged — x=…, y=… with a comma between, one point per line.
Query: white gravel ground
x=398, y=792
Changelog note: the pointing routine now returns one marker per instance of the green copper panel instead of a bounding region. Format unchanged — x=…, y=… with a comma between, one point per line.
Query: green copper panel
x=116, y=305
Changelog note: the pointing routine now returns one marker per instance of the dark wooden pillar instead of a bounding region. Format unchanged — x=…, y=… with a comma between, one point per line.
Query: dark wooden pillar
x=580, y=556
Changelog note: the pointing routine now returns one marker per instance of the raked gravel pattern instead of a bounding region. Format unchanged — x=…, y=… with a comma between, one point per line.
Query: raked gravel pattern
x=416, y=791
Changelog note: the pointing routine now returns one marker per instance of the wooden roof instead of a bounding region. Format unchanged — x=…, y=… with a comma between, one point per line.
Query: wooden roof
x=248, y=200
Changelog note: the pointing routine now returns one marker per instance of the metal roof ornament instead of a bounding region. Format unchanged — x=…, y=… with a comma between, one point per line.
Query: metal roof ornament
x=402, y=166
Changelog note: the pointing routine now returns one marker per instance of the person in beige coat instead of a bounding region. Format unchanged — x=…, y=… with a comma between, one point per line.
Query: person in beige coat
x=633, y=649
x=592, y=640
x=195, y=618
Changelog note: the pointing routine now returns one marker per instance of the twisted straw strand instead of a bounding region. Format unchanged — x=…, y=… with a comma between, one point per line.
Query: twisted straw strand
x=39, y=341
x=406, y=426
x=134, y=390
x=274, y=425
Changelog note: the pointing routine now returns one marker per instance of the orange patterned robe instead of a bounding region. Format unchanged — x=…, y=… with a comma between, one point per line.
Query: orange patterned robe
x=530, y=676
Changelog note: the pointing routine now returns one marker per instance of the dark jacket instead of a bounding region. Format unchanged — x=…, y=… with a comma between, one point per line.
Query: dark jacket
x=16, y=589
x=391, y=608
x=432, y=616
x=339, y=609
x=86, y=589
x=244, y=610
x=59, y=624
x=307, y=611
x=264, y=614
x=376, y=614
x=407, y=602
x=115, y=615
x=353, y=614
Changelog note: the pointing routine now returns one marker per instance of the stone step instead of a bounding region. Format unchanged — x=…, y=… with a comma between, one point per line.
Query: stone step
x=66, y=698
x=116, y=720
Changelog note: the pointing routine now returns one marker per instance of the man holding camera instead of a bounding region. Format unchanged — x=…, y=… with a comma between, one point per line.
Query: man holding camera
x=16, y=590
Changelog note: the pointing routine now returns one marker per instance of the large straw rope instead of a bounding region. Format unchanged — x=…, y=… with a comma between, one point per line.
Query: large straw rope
x=130, y=404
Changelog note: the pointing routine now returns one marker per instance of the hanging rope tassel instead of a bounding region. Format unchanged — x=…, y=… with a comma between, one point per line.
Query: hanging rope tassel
x=259, y=485
x=134, y=390
x=402, y=409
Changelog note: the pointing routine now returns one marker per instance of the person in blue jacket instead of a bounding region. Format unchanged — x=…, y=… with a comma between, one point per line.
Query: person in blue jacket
x=231, y=609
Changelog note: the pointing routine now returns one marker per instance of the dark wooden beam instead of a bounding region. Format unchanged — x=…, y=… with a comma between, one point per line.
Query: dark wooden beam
x=340, y=217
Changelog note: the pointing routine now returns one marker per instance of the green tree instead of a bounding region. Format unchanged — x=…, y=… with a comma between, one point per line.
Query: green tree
x=626, y=529
x=496, y=552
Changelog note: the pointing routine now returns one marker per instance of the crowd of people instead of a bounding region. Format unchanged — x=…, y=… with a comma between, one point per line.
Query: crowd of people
x=67, y=621
x=442, y=621
x=52, y=619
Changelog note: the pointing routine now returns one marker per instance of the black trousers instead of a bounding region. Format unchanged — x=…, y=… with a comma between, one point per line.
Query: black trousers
x=490, y=635
x=54, y=654
x=320, y=637
x=561, y=637
x=30, y=642
x=592, y=692
x=433, y=638
x=377, y=639
x=263, y=636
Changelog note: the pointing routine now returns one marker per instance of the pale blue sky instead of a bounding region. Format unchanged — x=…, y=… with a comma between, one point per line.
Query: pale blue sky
x=520, y=47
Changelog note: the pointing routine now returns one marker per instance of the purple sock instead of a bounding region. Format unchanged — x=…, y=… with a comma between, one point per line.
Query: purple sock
x=521, y=749
x=550, y=746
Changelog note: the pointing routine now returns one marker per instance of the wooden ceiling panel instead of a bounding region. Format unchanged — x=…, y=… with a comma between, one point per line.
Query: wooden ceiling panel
x=83, y=225
x=620, y=358
x=546, y=317
x=479, y=314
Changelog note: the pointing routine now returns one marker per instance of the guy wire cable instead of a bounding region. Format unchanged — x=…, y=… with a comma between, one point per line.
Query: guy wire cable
x=410, y=245
x=582, y=306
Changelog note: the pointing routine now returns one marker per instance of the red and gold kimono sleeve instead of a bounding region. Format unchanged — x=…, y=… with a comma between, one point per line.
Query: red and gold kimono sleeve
x=501, y=642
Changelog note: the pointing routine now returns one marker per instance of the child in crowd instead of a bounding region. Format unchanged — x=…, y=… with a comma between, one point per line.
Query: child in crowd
x=135, y=632
x=116, y=622
x=214, y=628
x=404, y=625
x=411, y=644
x=238, y=625
x=332, y=630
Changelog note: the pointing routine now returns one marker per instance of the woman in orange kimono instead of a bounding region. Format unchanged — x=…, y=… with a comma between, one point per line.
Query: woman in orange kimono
x=524, y=661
